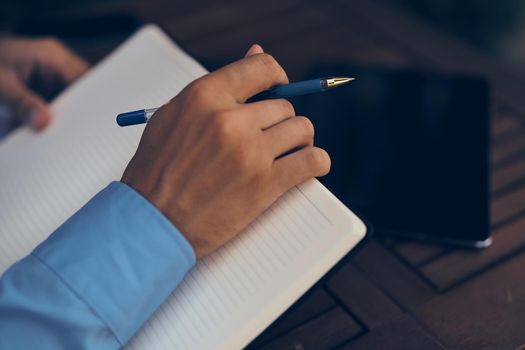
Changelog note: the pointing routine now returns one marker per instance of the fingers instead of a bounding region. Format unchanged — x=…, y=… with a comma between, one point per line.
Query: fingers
x=254, y=50
x=296, y=132
x=59, y=60
x=47, y=63
x=249, y=76
x=300, y=166
x=26, y=106
x=269, y=112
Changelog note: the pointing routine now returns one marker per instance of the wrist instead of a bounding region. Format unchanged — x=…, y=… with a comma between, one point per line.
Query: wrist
x=162, y=218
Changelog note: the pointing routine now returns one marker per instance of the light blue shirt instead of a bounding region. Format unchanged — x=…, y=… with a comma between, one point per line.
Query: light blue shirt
x=96, y=279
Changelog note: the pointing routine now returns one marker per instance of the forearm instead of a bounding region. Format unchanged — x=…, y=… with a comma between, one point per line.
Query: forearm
x=95, y=280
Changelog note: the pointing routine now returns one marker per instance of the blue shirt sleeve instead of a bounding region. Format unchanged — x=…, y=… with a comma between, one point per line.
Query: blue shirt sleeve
x=96, y=279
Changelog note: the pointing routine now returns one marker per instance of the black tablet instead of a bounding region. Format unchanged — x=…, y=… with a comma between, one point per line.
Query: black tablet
x=409, y=150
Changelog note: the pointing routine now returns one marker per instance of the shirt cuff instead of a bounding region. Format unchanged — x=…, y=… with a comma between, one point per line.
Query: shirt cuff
x=120, y=255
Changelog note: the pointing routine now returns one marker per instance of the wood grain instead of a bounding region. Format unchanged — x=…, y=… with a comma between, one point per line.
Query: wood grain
x=487, y=313
x=323, y=332
x=403, y=333
x=416, y=253
x=399, y=282
x=461, y=264
x=362, y=298
x=312, y=305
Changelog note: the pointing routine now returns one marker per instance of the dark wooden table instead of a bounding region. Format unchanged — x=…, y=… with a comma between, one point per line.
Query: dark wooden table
x=392, y=294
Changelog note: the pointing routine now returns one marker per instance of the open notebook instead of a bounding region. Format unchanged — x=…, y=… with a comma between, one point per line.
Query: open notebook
x=229, y=297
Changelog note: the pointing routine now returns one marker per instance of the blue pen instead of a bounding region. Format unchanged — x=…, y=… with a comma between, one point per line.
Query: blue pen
x=279, y=91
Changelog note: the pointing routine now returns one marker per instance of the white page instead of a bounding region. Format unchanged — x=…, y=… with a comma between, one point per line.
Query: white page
x=229, y=297
x=46, y=177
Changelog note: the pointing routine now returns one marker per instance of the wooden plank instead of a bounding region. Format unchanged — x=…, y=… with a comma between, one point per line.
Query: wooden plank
x=501, y=126
x=344, y=39
x=513, y=132
x=226, y=20
x=324, y=332
x=282, y=26
x=508, y=151
x=325, y=32
x=403, y=334
x=366, y=301
x=518, y=131
x=417, y=253
x=165, y=12
x=508, y=207
x=442, y=50
x=487, y=313
x=509, y=176
x=459, y=265
x=313, y=304
x=324, y=44
x=299, y=39
x=152, y=11
x=398, y=281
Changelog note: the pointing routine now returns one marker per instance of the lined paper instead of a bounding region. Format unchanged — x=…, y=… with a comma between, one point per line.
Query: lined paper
x=230, y=296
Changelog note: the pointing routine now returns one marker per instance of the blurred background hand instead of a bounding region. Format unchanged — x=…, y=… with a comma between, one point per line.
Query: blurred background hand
x=31, y=71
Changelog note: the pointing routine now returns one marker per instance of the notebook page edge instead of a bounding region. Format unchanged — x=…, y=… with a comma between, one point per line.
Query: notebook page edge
x=340, y=216
x=331, y=207
x=169, y=45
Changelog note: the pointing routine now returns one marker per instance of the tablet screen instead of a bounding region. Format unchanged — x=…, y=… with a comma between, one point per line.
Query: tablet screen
x=409, y=150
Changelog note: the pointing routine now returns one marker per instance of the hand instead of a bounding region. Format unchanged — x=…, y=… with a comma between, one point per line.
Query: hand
x=31, y=69
x=212, y=163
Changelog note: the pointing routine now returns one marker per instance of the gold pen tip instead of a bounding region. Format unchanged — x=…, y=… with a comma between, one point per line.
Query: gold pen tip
x=337, y=81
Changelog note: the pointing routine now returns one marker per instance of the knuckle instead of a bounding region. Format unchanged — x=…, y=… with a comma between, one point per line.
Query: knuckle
x=318, y=161
x=267, y=60
x=198, y=91
x=261, y=178
x=222, y=126
x=241, y=160
x=313, y=158
x=306, y=125
x=288, y=107
x=272, y=67
x=51, y=42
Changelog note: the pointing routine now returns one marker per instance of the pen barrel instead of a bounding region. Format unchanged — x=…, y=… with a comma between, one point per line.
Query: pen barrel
x=291, y=90
x=131, y=118
x=135, y=117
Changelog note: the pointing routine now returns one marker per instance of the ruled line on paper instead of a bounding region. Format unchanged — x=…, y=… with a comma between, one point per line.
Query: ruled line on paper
x=259, y=236
x=314, y=205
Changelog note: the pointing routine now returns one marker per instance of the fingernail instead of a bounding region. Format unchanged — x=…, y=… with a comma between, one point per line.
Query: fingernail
x=255, y=48
x=249, y=51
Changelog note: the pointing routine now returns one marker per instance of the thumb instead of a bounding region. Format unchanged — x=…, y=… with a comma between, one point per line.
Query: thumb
x=254, y=50
x=26, y=107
